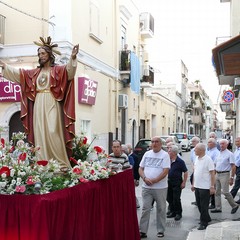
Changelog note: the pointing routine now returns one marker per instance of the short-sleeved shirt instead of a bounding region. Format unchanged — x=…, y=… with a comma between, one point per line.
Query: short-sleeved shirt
x=224, y=160
x=192, y=155
x=202, y=175
x=237, y=157
x=178, y=167
x=153, y=164
x=213, y=153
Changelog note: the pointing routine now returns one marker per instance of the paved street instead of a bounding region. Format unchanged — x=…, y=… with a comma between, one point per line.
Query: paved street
x=185, y=229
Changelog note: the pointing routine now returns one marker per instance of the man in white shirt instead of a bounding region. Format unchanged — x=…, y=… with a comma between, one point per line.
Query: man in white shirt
x=203, y=183
x=195, y=141
x=237, y=165
x=224, y=165
x=153, y=169
x=213, y=153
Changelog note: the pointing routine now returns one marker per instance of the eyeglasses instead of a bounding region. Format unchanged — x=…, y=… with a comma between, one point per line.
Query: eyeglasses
x=155, y=141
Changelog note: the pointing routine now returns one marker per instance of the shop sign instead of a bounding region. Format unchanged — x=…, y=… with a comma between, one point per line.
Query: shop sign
x=9, y=91
x=87, y=90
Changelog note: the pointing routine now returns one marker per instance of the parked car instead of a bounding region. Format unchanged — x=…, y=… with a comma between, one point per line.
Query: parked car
x=144, y=145
x=175, y=141
x=183, y=138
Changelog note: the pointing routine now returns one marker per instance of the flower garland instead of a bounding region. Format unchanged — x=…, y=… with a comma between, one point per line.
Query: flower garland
x=22, y=173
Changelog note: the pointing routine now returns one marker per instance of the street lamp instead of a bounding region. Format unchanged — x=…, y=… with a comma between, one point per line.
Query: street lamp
x=225, y=106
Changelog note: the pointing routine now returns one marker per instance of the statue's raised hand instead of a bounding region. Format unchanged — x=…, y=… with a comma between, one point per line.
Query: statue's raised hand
x=75, y=51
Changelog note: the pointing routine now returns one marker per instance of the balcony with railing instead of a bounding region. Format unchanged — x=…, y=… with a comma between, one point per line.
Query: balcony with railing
x=125, y=61
x=129, y=67
x=198, y=119
x=2, y=29
x=147, y=76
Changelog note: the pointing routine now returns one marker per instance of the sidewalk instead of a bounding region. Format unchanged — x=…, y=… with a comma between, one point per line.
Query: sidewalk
x=196, y=235
x=228, y=230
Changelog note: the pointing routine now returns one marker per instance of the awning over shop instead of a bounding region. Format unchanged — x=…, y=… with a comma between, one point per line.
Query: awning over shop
x=226, y=60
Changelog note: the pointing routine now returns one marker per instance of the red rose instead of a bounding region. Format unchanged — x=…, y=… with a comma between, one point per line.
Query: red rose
x=42, y=162
x=92, y=172
x=30, y=180
x=3, y=142
x=84, y=140
x=77, y=170
x=22, y=156
x=98, y=149
x=83, y=180
x=73, y=160
x=5, y=170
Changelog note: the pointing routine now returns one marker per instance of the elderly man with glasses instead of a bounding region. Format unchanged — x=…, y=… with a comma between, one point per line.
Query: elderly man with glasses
x=153, y=169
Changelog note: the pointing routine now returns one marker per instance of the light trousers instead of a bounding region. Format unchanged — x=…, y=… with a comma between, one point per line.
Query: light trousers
x=160, y=196
x=222, y=186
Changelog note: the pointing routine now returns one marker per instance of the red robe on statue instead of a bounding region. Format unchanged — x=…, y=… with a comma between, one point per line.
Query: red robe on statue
x=62, y=90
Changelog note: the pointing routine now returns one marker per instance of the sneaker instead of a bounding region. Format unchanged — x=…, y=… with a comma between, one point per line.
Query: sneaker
x=238, y=201
x=171, y=215
x=143, y=235
x=216, y=211
x=160, y=234
x=202, y=227
x=234, y=210
x=211, y=207
x=178, y=217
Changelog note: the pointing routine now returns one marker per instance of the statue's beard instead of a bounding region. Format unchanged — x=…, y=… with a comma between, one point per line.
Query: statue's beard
x=42, y=62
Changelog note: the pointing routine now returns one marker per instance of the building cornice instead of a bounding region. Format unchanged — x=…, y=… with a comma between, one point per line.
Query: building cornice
x=29, y=50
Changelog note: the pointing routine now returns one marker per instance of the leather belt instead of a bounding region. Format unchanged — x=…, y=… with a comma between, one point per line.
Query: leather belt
x=222, y=171
x=43, y=91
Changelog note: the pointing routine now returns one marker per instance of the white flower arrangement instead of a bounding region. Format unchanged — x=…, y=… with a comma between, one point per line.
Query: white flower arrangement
x=22, y=173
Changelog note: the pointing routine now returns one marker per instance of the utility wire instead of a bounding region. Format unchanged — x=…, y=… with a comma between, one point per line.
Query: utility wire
x=27, y=14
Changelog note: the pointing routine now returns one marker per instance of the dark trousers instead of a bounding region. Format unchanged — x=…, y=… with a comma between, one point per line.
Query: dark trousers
x=202, y=198
x=236, y=184
x=174, y=196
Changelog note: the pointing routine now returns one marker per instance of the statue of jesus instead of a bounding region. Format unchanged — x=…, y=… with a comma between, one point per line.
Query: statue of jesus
x=47, y=102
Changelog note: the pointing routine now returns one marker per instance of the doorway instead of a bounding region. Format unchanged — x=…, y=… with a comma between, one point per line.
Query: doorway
x=15, y=124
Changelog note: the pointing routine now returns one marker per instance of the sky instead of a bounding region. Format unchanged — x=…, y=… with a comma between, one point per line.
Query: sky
x=187, y=30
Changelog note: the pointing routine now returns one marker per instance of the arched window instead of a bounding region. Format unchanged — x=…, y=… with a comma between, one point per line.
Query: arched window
x=15, y=124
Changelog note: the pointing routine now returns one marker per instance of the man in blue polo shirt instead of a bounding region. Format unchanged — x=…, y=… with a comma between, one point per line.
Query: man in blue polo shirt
x=177, y=177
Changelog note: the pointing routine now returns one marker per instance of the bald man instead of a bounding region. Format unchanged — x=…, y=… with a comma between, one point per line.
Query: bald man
x=203, y=183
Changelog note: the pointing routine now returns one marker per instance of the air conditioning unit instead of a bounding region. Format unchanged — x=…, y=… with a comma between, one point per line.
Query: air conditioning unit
x=123, y=101
x=146, y=25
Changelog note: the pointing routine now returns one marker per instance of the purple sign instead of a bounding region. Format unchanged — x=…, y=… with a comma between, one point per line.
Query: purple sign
x=87, y=90
x=9, y=91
